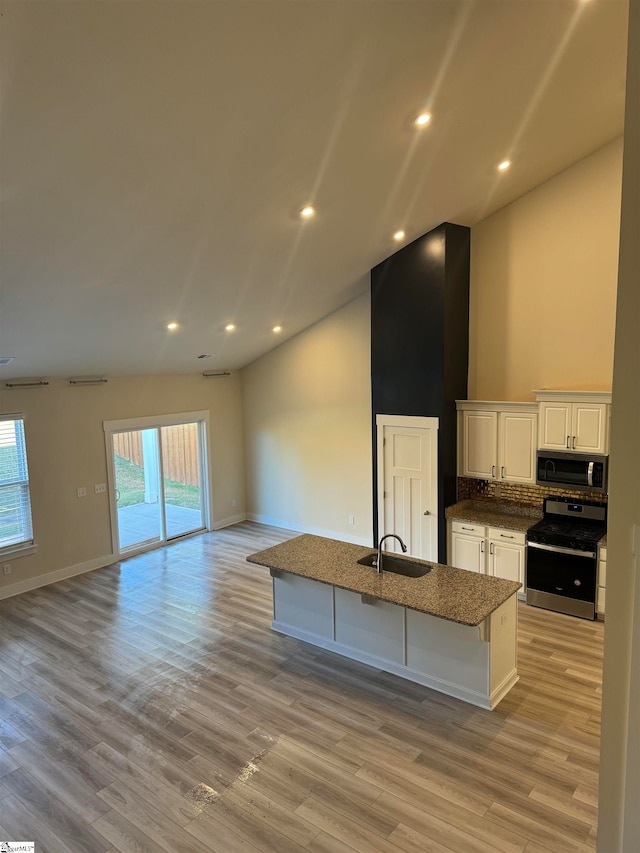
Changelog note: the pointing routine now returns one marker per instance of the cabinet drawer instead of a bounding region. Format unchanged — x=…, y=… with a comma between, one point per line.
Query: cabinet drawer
x=502, y=535
x=603, y=553
x=600, y=600
x=602, y=573
x=468, y=528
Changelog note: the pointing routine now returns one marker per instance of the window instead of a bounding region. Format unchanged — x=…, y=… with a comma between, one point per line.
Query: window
x=15, y=502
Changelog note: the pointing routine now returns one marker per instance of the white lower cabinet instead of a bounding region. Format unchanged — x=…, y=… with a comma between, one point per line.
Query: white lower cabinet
x=490, y=550
x=468, y=546
x=602, y=580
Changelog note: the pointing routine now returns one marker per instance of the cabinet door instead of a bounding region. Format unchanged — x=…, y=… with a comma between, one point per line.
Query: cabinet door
x=517, y=436
x=506, y=561
x=480, y=445
x=555, y=426
x=467, y=552
x=589, y=433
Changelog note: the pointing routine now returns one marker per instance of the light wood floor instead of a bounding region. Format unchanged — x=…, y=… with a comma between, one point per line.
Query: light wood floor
x=149, y=707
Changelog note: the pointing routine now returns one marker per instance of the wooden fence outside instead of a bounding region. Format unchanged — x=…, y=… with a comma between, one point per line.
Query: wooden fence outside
x=179, y=451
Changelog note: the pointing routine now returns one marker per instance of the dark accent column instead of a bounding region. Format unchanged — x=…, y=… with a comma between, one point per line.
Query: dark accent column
x=420, y=345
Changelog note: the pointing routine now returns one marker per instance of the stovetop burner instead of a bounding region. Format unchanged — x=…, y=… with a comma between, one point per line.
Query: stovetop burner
x=570, y=524
x=567, y=534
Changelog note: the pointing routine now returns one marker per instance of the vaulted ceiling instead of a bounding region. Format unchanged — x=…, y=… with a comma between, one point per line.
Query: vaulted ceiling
x=156, y=155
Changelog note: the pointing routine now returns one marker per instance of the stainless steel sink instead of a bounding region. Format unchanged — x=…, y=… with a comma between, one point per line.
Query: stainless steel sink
x=391, y=563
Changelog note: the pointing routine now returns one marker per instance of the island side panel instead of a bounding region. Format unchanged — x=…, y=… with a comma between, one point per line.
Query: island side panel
x=376, y=629
x=303, y=604
x=503, y=642
x=451, y=656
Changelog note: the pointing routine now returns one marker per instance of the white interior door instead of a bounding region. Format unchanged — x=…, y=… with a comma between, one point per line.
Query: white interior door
x=408, y=483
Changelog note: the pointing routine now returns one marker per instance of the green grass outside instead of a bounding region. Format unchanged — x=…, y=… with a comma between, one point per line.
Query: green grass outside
x=130, y=484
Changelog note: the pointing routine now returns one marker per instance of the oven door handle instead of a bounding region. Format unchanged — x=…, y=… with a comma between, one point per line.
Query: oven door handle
x=560, y=550
x=590, y=474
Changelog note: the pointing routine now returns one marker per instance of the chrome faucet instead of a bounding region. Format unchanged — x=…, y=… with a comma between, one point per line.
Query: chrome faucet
x=379, y=559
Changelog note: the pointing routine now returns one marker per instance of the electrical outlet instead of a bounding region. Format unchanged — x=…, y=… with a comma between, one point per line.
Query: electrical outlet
x=6, y=568
x=81, y=492
x=99, y=488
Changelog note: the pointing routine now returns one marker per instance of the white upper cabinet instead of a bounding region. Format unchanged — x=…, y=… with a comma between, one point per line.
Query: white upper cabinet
x=555, y=426
x=574, y=422
x=517, y=435
x=497, y=441
x=480, y=442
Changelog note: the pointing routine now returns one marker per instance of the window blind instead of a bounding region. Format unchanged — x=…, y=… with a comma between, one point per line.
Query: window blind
x=15, y=501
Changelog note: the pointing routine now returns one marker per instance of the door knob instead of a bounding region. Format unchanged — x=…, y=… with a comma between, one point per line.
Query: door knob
x=426, y=512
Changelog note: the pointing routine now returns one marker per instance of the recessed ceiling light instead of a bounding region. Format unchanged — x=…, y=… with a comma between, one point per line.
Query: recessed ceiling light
x=172, y=326
x=422, y=119
x=6, y=359
x=502, y=167
x=230, y=327
x=399, y=235
x=308, y=211
x=276, y=329
x=205, y=355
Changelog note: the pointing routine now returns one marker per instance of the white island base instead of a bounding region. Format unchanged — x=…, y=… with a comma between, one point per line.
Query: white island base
x=475, y=664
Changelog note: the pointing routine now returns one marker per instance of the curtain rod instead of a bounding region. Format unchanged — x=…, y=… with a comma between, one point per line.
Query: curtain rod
x=90, y=380
x=36, y=384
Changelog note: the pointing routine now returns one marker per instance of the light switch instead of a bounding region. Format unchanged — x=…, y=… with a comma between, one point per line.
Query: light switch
x=81, y=492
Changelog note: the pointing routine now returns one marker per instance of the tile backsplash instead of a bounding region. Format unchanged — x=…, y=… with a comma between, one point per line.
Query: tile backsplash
x=493, y=490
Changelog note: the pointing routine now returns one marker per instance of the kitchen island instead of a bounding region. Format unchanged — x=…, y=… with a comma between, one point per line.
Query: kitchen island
x=451, y=630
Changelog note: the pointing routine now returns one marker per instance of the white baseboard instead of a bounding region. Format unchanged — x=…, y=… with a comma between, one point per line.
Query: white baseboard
x=59, y=575
x=229, y=520
x=317, y=531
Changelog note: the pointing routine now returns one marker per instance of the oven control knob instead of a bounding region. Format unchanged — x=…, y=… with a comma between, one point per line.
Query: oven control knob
x=577, y=582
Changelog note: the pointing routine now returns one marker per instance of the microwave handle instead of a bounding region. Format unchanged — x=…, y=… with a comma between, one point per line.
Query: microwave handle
x=590, y=474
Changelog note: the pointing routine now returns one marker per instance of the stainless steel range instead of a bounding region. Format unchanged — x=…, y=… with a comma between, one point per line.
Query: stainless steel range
x=562, y=556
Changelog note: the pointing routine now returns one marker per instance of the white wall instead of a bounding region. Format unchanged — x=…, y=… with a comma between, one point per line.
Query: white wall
x=307, y=410
x=619, y=804
x=543, y=285
x=66, y=449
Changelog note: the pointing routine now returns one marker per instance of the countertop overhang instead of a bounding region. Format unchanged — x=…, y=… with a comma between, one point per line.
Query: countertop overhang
x=448, y=593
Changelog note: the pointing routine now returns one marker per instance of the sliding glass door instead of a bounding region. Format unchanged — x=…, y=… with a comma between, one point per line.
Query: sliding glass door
x=181, y=463
x=138, y=493
x=158, y=489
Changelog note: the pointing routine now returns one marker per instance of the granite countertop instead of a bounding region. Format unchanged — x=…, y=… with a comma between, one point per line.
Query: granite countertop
x=453, y=594
x=495, y=514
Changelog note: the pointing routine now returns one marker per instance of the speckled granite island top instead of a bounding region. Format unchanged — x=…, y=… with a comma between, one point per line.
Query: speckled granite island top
x=452, y=594
x=495, y=514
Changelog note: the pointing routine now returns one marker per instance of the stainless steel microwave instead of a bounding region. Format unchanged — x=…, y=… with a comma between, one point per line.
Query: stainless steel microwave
x=582, y=471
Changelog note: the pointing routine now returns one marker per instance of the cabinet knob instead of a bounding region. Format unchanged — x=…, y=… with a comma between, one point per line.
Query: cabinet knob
x=574, y=443
x=568, y=440
x=493, y=470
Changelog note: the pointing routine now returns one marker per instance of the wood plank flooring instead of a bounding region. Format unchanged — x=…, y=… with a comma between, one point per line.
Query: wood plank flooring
x=149, y=707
